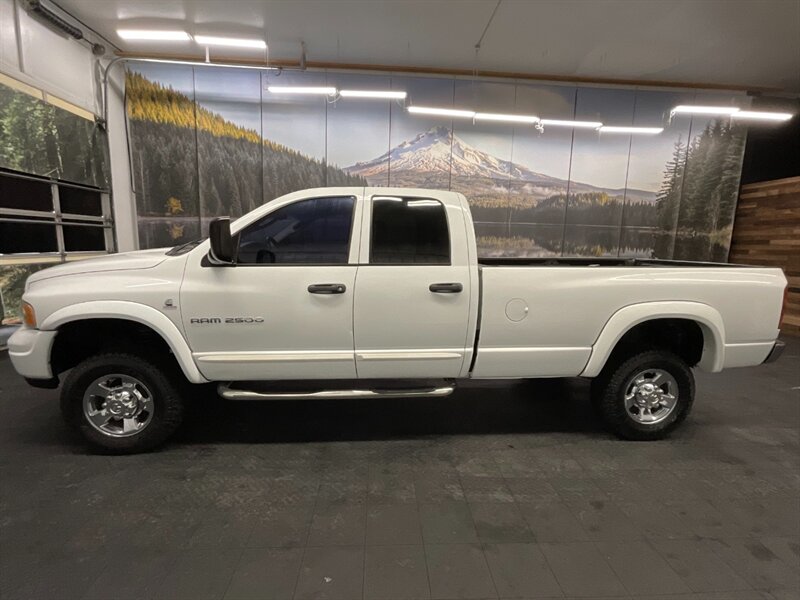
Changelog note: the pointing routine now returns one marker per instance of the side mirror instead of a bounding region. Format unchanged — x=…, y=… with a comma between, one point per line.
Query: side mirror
x=222, y=245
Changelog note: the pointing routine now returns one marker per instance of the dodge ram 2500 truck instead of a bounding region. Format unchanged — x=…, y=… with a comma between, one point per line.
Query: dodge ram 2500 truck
x=376, y=292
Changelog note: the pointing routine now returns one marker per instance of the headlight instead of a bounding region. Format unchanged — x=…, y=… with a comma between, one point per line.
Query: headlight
x=28, y=315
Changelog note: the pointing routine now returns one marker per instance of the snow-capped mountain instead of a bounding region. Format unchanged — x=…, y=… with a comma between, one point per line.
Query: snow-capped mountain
x=431, y=152
x=438, y=153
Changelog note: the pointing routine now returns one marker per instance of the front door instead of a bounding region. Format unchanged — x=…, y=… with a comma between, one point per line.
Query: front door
x=285, y=310
x=412, y=290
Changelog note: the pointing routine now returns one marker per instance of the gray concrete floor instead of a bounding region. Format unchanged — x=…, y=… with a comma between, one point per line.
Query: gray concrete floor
x=503, y=490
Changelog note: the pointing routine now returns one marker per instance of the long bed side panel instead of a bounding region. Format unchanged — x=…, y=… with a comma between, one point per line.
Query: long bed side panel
x=544, y=321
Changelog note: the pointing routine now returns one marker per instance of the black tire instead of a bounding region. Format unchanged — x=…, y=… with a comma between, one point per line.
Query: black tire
x=168, y=406
x=608, y=395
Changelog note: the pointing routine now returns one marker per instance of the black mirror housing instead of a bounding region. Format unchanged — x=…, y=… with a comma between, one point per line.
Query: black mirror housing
x=222, y=243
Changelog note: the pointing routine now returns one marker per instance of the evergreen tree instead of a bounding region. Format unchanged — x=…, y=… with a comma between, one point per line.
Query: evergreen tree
x=668, y=199
x=731, y=175
x=707, y=195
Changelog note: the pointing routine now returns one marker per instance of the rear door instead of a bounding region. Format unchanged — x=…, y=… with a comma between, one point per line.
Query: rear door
x=412, y=301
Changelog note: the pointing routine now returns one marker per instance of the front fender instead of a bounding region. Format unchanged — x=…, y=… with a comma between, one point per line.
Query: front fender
x=707, y=317
x=132, y=311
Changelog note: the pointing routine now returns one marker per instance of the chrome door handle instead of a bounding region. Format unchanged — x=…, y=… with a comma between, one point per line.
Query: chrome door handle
x=327, y=288
x=446, y=288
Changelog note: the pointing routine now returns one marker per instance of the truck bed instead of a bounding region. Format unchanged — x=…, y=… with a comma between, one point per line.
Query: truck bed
x=546, y=322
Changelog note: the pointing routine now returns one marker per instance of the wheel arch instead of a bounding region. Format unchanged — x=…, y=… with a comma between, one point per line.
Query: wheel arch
x=129, y=312
x=627, y=319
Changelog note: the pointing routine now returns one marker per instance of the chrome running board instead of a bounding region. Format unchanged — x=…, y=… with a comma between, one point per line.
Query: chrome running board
x=224, y=390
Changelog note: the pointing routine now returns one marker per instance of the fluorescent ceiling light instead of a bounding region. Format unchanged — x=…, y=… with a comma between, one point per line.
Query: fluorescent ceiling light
x=732, y=111
x=281, y=89
x=764, y=116
x=211, y=40
x=152, y=34
x=388, y=94
x=615, y=129
x=506, y=118
x=581, y=124
x=704, y=110
x=443, y=112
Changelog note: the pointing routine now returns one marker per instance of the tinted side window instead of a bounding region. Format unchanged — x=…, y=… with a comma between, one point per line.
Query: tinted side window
x=409, y=231
x=313, y=231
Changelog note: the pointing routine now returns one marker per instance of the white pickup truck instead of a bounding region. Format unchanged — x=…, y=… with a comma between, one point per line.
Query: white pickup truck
x=371, y=292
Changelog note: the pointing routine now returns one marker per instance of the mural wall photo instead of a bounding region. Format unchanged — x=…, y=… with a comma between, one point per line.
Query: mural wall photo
x=211, y=141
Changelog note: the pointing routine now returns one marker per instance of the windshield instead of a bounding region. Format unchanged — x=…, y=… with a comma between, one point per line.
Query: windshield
x=184, y=248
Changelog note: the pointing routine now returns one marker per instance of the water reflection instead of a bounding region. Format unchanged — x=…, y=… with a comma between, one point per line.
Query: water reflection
x=531, y=240
x=512, y=240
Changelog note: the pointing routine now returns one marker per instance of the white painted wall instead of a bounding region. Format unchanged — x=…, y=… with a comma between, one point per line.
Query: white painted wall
x=35, y=54
x=125, y=222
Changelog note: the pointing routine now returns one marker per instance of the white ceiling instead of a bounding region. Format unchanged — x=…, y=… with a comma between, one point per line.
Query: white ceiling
x=752, y=43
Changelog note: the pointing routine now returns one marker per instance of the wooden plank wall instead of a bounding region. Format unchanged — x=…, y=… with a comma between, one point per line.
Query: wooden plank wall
x=767, y=232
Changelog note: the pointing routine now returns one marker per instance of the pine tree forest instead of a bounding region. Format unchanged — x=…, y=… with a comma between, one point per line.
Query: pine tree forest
x=696, y=204
x=190, y=165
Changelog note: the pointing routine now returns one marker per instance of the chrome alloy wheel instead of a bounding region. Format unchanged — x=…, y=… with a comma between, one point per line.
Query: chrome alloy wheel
x=118, y=405
x=651, y=396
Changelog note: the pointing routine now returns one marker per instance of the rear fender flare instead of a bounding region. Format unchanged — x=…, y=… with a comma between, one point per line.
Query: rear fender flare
x=622, y=321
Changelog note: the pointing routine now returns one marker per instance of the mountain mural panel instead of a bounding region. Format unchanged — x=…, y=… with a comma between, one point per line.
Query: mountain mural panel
x=499, y=191
x=439, y=151
x=532, y=193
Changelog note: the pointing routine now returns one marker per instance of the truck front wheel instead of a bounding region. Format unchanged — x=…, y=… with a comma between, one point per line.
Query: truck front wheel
x=646, y=396
x=121, y=403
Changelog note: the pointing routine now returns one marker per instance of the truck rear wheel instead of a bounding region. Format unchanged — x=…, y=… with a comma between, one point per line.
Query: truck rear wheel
x=121, y=403
x=646, y=396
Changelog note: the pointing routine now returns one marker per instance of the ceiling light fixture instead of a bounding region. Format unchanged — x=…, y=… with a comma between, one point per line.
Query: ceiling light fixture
x=577, y=124
x=212, y=40
x=384, y=94
x=441, y=112
x=321, y=91
x=152, y=34
x=760, y=115
x=506, y=118
x=643, y=130
x=684, y=109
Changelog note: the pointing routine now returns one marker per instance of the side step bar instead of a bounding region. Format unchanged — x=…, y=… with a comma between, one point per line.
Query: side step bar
x=229, y=393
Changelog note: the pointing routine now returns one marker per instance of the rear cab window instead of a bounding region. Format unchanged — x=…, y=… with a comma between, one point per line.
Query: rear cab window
x=408, y=231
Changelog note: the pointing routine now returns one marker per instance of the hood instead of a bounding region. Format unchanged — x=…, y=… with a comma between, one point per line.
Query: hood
x=141, y=259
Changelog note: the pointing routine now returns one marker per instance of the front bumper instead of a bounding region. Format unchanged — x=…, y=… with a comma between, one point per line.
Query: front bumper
x=775, y=353
x=29, y=350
